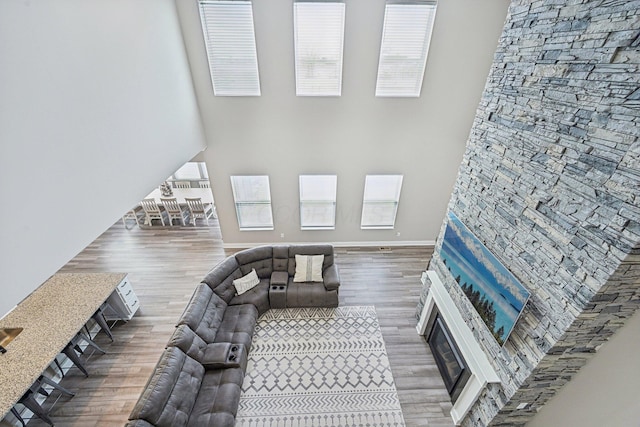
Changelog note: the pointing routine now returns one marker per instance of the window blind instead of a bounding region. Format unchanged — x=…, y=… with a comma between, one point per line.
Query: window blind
x=318, y=38
x=380, y=201
x=318, y=201
x=231, y=47
x=403, y=52
x=252, y=197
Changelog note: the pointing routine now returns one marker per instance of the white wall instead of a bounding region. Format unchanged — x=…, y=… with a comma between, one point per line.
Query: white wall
x=605, y=391
x=284, y=136
x=96, y=108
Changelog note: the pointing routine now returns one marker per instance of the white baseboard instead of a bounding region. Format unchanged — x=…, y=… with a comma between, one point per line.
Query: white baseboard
x=383, y=244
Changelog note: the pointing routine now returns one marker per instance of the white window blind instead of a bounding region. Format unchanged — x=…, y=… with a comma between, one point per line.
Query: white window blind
x=404, y=48
x=231, y=47
x=252, y=197
x=318, y=201
x=318, y=36
x=380, y=202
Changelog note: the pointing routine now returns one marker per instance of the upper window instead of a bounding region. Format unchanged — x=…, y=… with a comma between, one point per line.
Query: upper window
x=405, y=44
x=231, y=47
x=252, y=197
x=318, y=202
x=380, y=203
x=193, y=171
x=318, y=36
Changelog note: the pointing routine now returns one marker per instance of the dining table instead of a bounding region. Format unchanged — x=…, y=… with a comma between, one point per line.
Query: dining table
x=181, y=194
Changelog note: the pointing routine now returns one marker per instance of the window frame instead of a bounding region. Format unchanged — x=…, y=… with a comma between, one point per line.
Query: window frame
x=305, y=85
x=330, y=203
x=256, y=202
x=380, y=202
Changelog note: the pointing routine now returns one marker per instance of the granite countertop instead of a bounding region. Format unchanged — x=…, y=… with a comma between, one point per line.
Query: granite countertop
x=51, y=316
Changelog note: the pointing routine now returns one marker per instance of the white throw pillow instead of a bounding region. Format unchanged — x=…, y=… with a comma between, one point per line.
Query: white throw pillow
x=246, y=282
x=308, y=268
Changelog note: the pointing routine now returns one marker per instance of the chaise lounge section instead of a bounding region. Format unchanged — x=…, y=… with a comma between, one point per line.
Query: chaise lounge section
x=198, y=380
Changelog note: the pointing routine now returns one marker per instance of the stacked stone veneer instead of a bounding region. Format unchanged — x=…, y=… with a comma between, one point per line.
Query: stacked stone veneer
x=550, y=182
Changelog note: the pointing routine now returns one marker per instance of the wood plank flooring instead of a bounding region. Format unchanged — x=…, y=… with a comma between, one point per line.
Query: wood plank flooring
x=165, y=265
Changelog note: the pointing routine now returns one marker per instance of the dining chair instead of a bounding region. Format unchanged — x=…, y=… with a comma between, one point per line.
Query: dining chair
x=204, y=184
x=131, y=214
x=182, y=184
x=151, y=211
x=173, y=209
x=197, y=209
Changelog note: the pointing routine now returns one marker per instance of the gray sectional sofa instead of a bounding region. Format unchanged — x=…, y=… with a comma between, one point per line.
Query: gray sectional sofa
x=198, y=380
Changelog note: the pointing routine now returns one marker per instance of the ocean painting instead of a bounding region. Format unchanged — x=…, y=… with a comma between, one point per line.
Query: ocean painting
x=494, y=292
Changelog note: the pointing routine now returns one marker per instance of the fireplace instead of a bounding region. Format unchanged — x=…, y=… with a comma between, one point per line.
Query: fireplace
x=463, y=363
x=449, y=359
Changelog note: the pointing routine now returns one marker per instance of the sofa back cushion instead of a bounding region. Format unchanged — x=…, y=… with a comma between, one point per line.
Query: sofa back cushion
x=319, y=249
x=259, y=258
x=204, y=313
x=189, y=342
x=281, y=258
x=220, y=278
x=171, y=392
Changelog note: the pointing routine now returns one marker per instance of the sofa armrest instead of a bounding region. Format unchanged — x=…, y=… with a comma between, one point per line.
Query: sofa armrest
x=138, y=423
x=279, y=278
x=331, y=277
x=223, y=355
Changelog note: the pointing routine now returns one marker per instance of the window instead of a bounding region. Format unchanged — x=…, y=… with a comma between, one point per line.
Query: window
x=380, y=204
x=318, y=202
x=190, y=171
x=405, y=44
x=231, y=47
x=253, y=202
x=318, y=36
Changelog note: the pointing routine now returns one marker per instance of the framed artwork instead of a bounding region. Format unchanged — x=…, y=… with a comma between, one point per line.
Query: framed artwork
x=496, y=294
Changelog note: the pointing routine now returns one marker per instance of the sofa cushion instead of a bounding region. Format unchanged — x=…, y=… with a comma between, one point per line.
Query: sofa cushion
x=310, y=294
x=171, y=392
x=204, y=313
x=189, y=342
x=259, y=258
x=246, y=282
x=238, y=324
x=218, y=400
x=308, y=268
x=221, y=278
x=281, y=258
x=319, y=249
x=258, y=296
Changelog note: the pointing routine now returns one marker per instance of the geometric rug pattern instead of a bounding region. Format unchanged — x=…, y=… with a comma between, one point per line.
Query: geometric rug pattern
x=319, y=367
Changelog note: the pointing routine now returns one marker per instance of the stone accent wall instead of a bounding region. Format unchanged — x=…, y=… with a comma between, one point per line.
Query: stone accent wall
x=550, y=182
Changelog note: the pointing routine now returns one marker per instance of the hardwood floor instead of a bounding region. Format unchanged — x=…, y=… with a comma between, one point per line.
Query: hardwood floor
x=164, y=266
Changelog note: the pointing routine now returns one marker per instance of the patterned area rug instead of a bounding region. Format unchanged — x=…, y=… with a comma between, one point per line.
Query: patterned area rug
x=319, y=367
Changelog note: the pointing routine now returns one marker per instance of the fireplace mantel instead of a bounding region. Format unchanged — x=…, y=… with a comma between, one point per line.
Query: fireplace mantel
x=482, y=372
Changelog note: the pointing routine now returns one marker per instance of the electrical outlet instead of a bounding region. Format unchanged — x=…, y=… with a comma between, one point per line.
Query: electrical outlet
x=398, y=234
x=282, y=235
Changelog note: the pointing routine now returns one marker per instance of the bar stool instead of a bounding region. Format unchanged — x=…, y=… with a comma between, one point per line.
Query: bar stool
x=28, y=400
x=98, y=316
x=70, y=351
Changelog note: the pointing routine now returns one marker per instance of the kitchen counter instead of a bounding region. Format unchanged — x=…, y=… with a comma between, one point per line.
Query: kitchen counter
x=51, y=316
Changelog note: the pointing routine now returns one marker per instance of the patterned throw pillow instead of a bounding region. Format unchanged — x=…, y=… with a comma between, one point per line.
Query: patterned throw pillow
x=247, y=282
x=308, y=268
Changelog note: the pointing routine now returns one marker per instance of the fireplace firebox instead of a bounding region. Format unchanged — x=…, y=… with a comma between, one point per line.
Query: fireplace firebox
x=451, y=364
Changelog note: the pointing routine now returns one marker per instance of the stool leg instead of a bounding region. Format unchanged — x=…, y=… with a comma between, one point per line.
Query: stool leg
x=56, y=386
x=16, y=414
x=99, y=318
x=71, y=354
x=30, y=403
x=91, y=342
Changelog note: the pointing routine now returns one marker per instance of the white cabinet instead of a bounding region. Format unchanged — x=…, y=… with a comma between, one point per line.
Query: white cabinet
x=123, y=303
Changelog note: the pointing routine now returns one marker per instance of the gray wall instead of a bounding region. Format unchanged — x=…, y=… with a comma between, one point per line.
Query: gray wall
x=550, y=182
x=283, y=136
x=97, y=108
